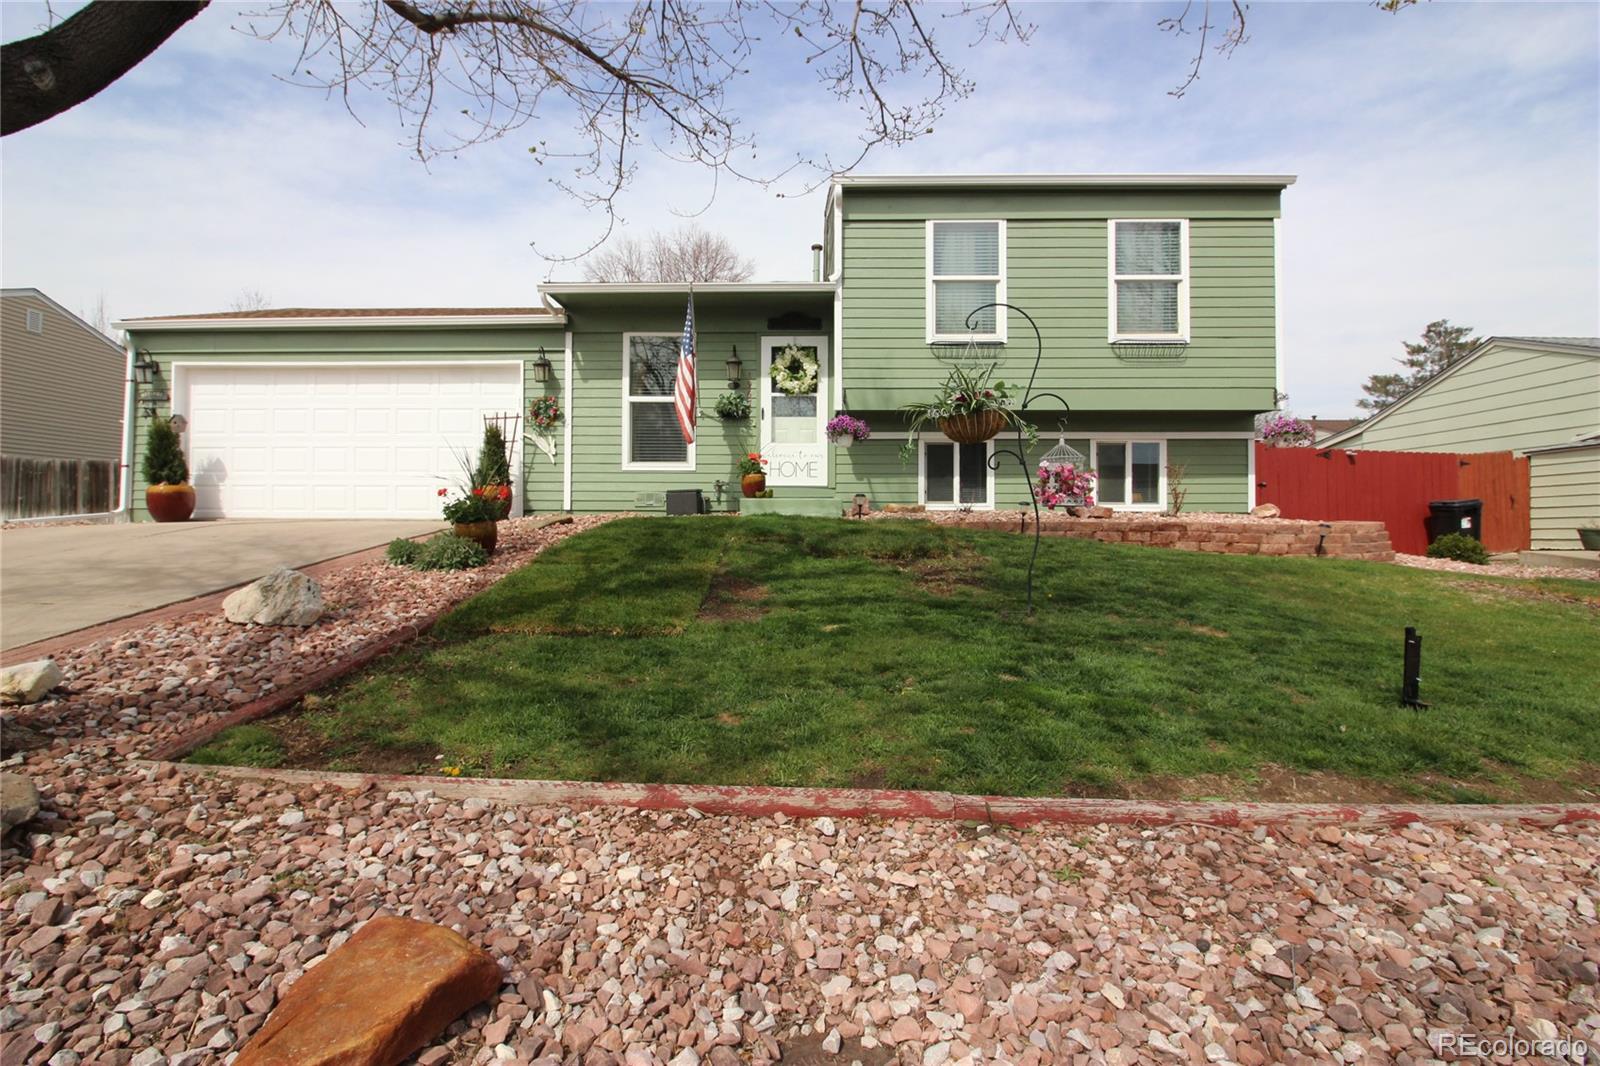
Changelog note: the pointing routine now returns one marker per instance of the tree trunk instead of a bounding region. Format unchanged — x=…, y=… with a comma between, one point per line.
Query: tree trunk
x=42, y=76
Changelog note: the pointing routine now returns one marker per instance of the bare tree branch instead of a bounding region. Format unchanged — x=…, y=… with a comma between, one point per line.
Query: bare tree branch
x=42, y=76
x=1233, y=36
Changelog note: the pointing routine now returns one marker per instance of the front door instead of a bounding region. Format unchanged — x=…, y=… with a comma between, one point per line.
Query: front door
x=793, y=414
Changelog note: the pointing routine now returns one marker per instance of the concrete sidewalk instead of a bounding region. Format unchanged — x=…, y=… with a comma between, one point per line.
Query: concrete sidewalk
x=56, y=579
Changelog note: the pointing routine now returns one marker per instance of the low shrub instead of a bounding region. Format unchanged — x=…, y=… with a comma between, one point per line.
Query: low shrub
x=1461, y=547
x=402, y=552
x=446, y=551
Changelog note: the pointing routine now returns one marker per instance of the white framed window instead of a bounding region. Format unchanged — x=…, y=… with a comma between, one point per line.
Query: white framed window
x=951, y=475
x=966, y=269
x=1130, y=473
x=651, y=439
x=35, y=320
x=1147, y=265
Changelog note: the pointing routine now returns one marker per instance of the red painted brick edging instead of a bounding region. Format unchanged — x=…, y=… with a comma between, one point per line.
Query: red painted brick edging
x=757, y=801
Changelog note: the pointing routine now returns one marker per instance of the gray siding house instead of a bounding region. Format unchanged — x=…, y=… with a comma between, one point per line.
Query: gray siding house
x=61, y=401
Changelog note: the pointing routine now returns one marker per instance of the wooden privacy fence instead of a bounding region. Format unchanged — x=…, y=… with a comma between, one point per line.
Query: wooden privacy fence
x=38, y=488
x=1332, y=484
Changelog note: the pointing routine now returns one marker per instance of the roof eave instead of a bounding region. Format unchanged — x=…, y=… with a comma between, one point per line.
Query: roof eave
x=148, y=325
x=1165, y=181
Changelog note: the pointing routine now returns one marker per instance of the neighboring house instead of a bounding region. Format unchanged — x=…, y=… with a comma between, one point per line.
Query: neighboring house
x=61, y=394
x=1156, y=297
x=1538, y=396
x=1324, y=428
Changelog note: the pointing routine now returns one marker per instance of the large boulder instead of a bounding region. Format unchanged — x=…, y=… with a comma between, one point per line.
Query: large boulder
x=19, y=800
x=388, y=991
x=28, y=682
x=1265, y=510
x=282, y=598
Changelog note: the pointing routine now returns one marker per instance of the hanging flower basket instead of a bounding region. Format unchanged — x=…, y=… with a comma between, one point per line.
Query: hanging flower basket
x=972, y=428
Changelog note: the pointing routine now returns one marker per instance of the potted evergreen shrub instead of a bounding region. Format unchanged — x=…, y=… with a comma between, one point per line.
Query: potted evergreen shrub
x=168, y=496
x=493, y=472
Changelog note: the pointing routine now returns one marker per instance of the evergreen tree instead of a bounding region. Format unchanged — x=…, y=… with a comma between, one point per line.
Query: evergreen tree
x=494, y=468
x=1442, y=344
x=164, y=463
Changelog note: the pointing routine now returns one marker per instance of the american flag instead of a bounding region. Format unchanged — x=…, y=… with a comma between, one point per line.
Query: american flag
x=683, y=391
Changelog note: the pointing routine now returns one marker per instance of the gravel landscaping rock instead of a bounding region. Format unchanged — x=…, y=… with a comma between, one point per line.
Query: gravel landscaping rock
x=1422, y=562
x=147, y=912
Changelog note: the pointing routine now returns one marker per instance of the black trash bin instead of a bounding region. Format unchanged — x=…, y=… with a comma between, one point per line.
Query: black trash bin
x=1455, y=516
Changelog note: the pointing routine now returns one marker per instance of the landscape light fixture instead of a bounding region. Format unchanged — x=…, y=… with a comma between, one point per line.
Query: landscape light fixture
x=541, y=368
x=735, y=368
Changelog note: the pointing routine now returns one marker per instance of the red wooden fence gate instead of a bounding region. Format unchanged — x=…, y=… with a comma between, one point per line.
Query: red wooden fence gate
x=1330, y=484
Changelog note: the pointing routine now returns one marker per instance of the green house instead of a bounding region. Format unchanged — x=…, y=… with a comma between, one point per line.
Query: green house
x=1154, y=297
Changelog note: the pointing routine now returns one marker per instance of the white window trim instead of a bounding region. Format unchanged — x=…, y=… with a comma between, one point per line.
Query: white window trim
x=1130, y=440
x=927, y=438
x=999, y=335
x=628, y=400
x=1112, y=277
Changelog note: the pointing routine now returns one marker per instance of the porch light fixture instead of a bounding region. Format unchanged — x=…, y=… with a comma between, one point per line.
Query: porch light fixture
x=145, y=368
x=735, y=368
x=541, y=368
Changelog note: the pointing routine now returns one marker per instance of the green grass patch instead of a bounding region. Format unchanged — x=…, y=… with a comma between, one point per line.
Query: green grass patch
x=243, y=745
x=797, y=651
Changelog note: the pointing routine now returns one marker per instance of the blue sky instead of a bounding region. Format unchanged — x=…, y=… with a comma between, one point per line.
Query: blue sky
x=1448, y=160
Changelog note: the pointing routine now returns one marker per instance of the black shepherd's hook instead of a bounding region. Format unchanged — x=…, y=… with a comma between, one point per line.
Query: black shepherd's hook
x=1021, y=454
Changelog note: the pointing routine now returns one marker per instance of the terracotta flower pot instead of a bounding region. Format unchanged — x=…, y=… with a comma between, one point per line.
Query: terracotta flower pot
x=974, y=428
x=485, y=533
x=169, y=503
x=753, y=485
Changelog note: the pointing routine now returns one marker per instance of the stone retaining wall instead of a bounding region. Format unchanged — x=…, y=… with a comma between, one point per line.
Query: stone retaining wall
x=1241, y=535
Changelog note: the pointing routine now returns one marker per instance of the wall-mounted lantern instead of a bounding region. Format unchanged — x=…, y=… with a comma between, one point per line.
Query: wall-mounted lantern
x=145, y=368
x=735, y=368
x=541, y=368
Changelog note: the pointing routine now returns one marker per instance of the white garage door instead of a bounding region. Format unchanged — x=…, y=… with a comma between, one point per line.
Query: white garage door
x=336, y=441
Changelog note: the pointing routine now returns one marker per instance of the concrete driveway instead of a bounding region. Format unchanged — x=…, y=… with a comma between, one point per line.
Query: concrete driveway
x=56, y=579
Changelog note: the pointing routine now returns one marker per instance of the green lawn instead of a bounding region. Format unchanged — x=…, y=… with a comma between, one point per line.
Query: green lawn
x=794, y=651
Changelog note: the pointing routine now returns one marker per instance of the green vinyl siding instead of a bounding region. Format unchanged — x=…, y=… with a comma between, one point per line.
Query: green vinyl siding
x=1563, y=494
x=1056, y=269
x=300, y=345
x=1506, y=398
x=1216, y=473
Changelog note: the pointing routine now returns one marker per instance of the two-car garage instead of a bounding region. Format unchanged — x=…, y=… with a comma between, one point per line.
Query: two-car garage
x=335, y=440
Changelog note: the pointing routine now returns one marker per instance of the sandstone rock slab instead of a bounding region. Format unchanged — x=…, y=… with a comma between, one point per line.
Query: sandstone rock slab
x=28, y=682
x=282, y=598
x=391, y=989
x=19, y=800
x=1265, y=510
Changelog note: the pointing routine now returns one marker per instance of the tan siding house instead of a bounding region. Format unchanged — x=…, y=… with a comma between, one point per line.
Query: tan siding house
x=1534, y=395
x=1564, y=493
x=61, y=382
x=1510, y=394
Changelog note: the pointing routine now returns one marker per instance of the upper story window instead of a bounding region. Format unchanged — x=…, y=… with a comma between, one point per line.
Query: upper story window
x=966, y=270
x=1149, y=265
x=35, y=321
x=651, y=439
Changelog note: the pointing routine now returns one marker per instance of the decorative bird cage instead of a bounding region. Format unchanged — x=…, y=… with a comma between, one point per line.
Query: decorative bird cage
x=1064, y=455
